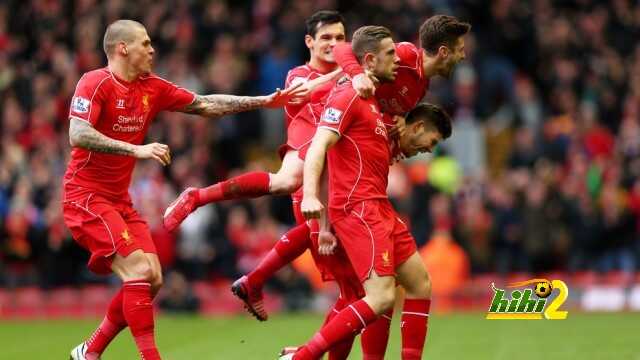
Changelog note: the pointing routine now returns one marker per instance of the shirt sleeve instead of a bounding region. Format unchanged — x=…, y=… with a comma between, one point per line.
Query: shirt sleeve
x=339, y=112
x=87, y=100
x=173, y=97
x=299, y=75
x=347, y=59
x=408, y=54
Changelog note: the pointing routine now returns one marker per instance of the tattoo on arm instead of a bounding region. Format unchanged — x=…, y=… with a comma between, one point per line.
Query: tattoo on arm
x=219, y=105
x=82, y=134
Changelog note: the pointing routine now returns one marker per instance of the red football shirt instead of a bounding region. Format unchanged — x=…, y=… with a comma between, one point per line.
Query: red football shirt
x=120, y=110
x=359, y=161
x=409, y=87
x=297, y=75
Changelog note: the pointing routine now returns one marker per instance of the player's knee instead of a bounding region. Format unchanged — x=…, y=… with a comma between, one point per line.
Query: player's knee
x=387, y=299
x=421, y=288
x=283, y=183
x=382, y=300
x=141, y=270
x=156, y=282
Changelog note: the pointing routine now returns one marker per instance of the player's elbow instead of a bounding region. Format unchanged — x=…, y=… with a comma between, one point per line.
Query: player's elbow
x=76, y=133
x=75, y=138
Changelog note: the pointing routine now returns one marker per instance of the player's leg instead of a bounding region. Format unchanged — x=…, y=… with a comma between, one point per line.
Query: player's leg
x=136, y=272
x=413, y=276
x=112, y=324
x=156, y=273
x=249, y=287
x=97, y=226
x=350, y=321
x=246, y=186
x=375, y=336
x=114, y=321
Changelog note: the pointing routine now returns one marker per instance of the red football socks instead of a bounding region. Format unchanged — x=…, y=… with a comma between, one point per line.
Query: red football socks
x=344, y=325
x=138, y=311
x=245, y=186
x=341, y=350
x=291, y=245
x=375, y=337
x=111, y=325
x=415, y=317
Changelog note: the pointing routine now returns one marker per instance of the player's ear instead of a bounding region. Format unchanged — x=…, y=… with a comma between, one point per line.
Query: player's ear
x=369, y=60
x=443, y=51
x=308, y=40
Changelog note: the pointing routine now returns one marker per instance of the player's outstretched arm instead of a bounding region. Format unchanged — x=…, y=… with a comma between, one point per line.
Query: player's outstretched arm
x=83, y=135
x=308, y=86
x=220, y=105
x=324, y=138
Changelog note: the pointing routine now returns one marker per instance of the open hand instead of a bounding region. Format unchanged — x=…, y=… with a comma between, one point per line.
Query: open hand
x=363, y=85
x=399, y=129
x=292, y=94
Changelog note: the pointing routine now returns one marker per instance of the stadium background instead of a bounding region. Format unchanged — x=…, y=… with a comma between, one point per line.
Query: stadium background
x=540, y=177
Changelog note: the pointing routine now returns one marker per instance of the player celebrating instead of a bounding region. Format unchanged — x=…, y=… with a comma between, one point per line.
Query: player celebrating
x=378, y=244
x=325, y=29
x=442, y=47
x=425, y=125
x=110, y=114
x=440, y=32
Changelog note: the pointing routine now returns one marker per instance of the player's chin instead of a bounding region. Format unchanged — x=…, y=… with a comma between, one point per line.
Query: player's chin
x=328, y=58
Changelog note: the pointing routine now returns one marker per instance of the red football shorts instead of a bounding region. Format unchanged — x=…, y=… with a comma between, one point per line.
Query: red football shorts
x=106, y=227
x=374, y=238
x=336, y=267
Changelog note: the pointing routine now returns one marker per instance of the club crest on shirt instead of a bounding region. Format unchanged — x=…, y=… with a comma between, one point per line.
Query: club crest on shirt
x=80, y=105
x=331, y=115
x=126, y=237
x=385, y=258
x=145, y=102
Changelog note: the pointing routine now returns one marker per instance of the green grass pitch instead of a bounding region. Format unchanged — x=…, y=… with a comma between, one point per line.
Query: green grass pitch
x=455, y=336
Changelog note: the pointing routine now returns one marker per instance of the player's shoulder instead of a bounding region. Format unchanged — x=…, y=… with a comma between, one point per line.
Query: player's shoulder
x=95, y=77
x=409, y=53
x=343, y=90
x=299, y=74
x=154, y=78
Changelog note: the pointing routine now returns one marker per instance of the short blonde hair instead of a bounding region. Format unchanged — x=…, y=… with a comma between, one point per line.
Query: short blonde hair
x=119, y=31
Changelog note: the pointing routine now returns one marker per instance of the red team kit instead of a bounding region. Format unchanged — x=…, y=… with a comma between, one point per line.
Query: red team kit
x=96, y=203
x=99, y=212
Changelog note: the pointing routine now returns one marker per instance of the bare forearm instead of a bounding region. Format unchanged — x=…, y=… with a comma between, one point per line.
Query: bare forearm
x=83, y=135
x=324, y=189
x=313, y=167
x=312, y=84
x=220, y=105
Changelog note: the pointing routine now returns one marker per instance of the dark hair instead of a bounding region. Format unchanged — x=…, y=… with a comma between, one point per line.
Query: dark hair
x=367, y=40
x=441, y=30
x=433, y=114
x=321, y=18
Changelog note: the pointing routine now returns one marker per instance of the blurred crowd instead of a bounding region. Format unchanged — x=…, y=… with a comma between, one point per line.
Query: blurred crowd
x=542, y=172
